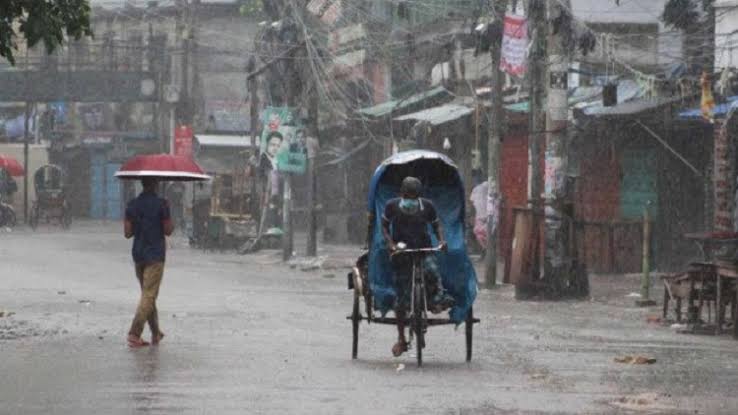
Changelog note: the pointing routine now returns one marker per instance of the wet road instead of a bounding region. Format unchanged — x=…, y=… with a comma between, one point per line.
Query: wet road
x=248, y=335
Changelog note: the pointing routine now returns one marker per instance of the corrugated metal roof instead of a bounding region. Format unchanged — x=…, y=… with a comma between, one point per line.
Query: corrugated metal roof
x=385, y=108
x=608, y=11
x=438, y=115
x=223, y=140
x=589, y=98
x=719, y=111
x=630, y=108
x=628, y=90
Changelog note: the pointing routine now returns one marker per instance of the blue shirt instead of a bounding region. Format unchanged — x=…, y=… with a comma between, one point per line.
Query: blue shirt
x=410, y=228
x=147, y=213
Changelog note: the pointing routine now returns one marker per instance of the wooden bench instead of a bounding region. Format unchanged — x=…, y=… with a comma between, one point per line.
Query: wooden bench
x=694, y=286
x=727, y=270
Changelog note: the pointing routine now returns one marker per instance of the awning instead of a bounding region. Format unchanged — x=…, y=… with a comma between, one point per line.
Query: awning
x=719, y=111
x=383, y=109
x=223, y=140
x=438, y=115
x=588, y=99
x=630, y=108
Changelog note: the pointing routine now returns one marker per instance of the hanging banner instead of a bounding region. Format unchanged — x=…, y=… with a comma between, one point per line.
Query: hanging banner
x=183, y=141
x=283, y=141
x=514, y=45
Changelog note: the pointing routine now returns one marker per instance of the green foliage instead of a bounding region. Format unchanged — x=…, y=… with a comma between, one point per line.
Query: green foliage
x=46, y=21
x=251, y=8
x=685, y=14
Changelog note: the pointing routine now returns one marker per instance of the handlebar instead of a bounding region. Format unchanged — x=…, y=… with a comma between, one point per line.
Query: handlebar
x=416, y=251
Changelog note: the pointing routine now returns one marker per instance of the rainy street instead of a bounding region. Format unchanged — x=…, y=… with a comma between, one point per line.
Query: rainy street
x=247, y=334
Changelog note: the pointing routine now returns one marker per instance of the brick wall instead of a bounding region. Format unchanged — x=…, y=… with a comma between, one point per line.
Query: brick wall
x=723, y=173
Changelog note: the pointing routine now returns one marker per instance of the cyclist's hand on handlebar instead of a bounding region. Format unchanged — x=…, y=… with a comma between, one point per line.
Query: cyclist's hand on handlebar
x=443, y=246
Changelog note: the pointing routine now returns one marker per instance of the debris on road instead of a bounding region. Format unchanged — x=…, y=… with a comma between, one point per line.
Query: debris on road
x=400, y=367
x=635, y=360
x=633, y=295
x=61, y=292
x=642, y=402
x=654, y=319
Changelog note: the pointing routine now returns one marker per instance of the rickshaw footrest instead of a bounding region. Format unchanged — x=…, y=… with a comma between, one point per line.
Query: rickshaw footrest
x=393, y=320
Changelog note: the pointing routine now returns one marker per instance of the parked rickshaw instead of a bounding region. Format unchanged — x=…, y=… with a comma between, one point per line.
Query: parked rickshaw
x=372, y=277
x=51, y=202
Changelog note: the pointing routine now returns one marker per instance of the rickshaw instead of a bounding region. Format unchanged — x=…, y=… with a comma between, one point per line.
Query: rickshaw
x=371, y=279
x=51, y=202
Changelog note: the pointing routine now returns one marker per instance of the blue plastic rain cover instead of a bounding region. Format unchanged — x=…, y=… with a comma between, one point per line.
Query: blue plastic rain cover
x=447, y=194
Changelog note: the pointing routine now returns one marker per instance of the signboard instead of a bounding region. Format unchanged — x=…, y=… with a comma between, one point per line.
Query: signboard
x=79, y=86
x=283, y=141
x=227, y=115
x=183, y=141
x=514, y=45
x=171, y=93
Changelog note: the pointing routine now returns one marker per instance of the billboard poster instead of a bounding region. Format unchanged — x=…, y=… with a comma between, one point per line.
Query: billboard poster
x=514, y=45
x=183, y=141
x=283, y=141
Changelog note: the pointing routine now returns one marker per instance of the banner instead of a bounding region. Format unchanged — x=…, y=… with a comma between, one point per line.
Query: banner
x=183, y=141
x=514, y=45
x=283, y=141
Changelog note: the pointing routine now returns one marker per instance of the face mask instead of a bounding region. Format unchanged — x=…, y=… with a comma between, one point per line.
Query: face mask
x=409, y=205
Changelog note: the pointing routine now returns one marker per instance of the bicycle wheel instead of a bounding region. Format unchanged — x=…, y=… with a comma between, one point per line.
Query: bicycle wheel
x=34, y=217
x=469, y=330
x=419, y=322
x=66, y=219
x=10, y=219
x=7, y=216
x=355, y=319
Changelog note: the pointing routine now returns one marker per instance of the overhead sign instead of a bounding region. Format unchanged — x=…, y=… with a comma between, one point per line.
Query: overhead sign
x=514, y=45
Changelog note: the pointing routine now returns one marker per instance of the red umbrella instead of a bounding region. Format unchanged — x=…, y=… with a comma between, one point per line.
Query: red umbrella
x=163, y=167
x=11, y=165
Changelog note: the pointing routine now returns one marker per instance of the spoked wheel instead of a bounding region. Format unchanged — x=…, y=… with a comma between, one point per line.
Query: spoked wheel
x=469, y=329
x=419, y=324
x=355, y=319
x=66, y=219
x=33, y=219
x=11, y=219
x=7, y=216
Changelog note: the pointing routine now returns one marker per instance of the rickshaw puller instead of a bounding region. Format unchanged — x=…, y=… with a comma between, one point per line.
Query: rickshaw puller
x=406, y=220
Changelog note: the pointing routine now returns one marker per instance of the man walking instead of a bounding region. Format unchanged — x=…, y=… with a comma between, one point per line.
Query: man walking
x=148, y=221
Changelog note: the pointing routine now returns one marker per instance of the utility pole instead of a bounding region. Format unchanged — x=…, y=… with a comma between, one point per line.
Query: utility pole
x=252, y=84
x=537, y=117
x=288, y=231
x=493, y=146
x=25, y=140
x=312, y=138
x=537, y=78
x=26, y=137
x=556, y=256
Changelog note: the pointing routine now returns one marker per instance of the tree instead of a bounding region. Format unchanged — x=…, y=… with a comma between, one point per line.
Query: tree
x=46, y=21
x=696, y=18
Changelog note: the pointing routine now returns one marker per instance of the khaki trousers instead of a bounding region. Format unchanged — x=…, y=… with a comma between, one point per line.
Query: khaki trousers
x=149, y=278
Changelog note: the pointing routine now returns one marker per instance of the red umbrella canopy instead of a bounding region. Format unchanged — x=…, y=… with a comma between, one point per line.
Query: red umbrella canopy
x=11, y=165
x=163, y=167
